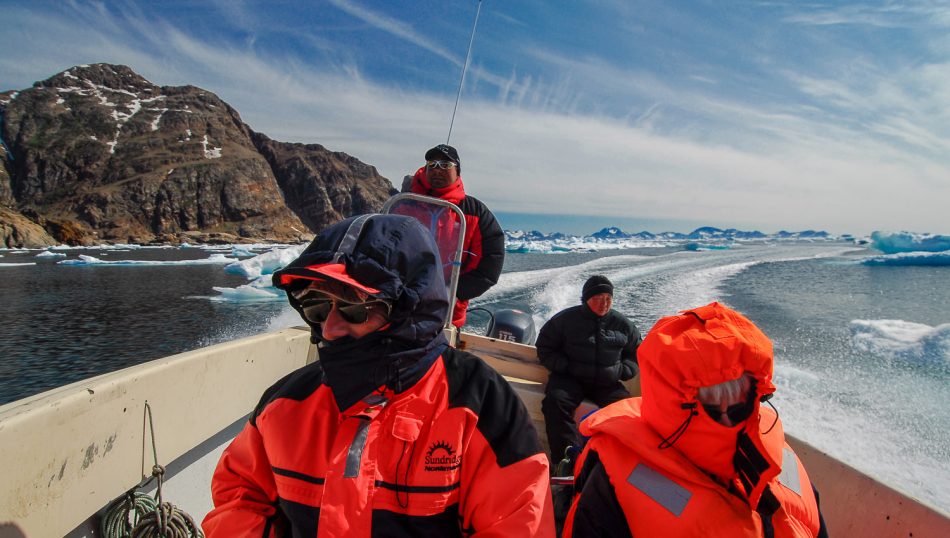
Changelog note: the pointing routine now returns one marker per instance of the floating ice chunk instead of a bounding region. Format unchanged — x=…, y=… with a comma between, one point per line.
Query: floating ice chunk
x=16, y=264
x=248, y=294
x=84, y=259
x=266, y=263
x=901, y=340
x=257, y=291
x=694, y=246
x=892, y=243
x=48, y=254
x=241, y=252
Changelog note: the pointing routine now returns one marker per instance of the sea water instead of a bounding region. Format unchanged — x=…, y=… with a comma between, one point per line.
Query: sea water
x=862, y=350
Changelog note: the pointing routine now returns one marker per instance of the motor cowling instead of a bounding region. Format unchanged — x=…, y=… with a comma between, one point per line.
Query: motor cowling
x=512, y=325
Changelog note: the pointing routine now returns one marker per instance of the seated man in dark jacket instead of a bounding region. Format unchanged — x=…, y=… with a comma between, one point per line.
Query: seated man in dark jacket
x=392, y=432
x=589, y=349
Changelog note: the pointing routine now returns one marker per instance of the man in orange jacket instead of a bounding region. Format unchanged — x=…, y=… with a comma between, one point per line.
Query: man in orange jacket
x=696, y=455
x=483, y=249
x=392, y=432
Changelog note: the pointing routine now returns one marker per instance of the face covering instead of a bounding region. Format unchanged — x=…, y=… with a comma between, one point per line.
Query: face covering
x=355, y=368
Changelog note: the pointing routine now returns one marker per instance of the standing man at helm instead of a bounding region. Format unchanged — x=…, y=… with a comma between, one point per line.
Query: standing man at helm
x=590, y=349
x=392, y=432
x=697, y=454
x=483, y=248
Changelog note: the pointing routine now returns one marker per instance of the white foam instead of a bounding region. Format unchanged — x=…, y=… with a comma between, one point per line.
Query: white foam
x=901, y=340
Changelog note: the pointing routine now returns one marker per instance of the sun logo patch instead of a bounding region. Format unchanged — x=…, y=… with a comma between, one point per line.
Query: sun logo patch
x=441, y=457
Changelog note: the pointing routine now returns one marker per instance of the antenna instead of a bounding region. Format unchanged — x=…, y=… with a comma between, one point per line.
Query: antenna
x=464, y=67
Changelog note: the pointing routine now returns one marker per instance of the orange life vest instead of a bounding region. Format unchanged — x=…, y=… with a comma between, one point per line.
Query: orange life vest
x=662, y=493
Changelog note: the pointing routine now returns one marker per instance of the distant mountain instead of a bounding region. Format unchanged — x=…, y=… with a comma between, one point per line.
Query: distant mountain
x=97, y=153
x=612, y=237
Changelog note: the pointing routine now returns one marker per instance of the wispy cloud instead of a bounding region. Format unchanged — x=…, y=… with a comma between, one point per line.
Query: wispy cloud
x=395, y=27
x=884, y=15
x=580, y=134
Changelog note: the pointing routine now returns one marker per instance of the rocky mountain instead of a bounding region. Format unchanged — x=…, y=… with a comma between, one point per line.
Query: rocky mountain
x=99, y=154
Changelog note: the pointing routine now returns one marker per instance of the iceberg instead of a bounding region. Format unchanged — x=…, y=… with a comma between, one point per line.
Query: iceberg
x=893, y=243
x=266, y=263
x=257, y=269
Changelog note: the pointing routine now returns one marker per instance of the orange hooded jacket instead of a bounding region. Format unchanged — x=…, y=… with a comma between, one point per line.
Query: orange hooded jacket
x=674, y=470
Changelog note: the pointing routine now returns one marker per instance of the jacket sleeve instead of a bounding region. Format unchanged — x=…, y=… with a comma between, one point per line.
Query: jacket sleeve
x=514, y=500
x=505, y=487
x=628, y=356
x=550, y=346
x=243, y=490
x=485, y=275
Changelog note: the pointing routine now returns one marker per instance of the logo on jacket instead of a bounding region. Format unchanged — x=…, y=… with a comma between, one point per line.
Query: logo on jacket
x=441, y=457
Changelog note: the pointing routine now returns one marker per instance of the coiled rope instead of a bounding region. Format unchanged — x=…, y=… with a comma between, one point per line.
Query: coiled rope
x=139, y=516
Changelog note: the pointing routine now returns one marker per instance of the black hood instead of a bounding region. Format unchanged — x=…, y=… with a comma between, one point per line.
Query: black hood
x=393, y=254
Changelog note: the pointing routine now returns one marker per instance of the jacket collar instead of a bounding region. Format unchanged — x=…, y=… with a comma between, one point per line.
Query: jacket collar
x=454, y=193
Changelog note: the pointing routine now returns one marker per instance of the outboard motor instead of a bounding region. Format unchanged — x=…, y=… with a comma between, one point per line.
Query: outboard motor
x=512, y=325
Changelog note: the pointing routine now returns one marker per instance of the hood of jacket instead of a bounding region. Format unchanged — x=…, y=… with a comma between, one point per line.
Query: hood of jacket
x=395, y=255
x=698, y=348
x=454, y=193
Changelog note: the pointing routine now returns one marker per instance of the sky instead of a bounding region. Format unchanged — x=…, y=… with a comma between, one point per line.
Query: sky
x=767, y=115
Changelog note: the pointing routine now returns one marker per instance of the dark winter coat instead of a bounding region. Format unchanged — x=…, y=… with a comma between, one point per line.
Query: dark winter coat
x=597, y=351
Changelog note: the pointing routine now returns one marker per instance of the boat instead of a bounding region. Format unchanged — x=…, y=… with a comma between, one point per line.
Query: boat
x=71, y=454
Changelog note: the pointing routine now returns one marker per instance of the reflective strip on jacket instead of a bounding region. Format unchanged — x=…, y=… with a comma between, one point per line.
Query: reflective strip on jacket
x=454, y=455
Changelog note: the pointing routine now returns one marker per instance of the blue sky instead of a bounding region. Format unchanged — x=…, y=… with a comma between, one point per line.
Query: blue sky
x=767, y=115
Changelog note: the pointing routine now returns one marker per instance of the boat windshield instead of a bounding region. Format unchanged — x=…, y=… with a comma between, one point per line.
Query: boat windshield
x=445, y=222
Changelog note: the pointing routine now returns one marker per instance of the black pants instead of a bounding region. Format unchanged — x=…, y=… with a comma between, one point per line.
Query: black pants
x=562, y=396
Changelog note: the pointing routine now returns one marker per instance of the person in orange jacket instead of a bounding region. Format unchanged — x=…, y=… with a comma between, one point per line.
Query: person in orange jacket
x=392, y=432
x=696, y=454
x=483, y=248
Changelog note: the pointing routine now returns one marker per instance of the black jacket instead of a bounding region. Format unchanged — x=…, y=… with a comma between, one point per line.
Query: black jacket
x=597, y=351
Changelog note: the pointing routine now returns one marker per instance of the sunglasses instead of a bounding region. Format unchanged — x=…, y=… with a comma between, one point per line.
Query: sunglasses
x=319, y=297
x=736, y=412
x=444, y=165
x=317, y=310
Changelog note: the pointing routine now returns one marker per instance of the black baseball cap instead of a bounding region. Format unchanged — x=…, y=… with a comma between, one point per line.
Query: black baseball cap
x=443, y=151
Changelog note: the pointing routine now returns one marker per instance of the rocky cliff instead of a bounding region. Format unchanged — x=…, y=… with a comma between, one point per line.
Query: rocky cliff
x=99, y=154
